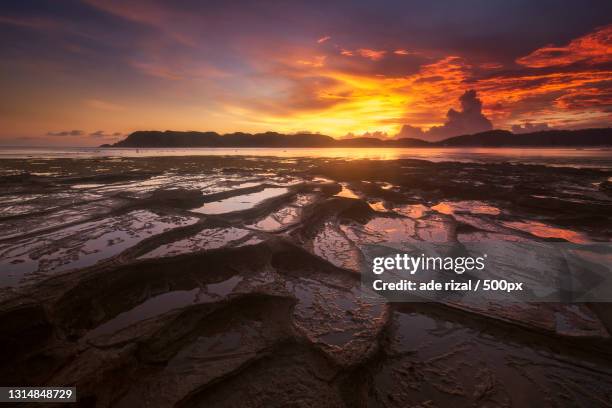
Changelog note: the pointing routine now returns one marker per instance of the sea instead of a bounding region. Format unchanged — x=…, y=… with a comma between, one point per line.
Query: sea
x=600, y=158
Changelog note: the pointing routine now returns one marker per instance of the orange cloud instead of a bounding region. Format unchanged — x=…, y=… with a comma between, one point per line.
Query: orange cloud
x=402, y=52
x=438, y=86
x=317, y=61
x=585, y=98
x=511, y=90
x=276, y=84
x=374, y=55
x=336, y=99
x=593, y=48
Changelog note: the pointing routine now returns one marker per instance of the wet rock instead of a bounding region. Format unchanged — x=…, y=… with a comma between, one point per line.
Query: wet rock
x=426, y=365
x=292, y=375
x=109, y=178
x=205, y=239
x=37, y=216
x=344, y=324
x=21, y=329
x=177, y=198
x=80, y=245
x=120, y=288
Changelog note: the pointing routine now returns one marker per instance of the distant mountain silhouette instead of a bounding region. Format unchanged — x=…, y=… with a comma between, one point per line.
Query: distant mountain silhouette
x=492, y=138
x=171, y=138
x=547, y=138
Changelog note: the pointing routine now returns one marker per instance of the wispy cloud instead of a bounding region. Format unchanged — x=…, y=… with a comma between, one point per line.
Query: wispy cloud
x=317, y=61
x=103, y=134
x=104, y=105
x=404, y=52
x=152, y=13
x=38, y=23
x=374, y=55
x=156, y=70
x=371, y=54
x=67, y=133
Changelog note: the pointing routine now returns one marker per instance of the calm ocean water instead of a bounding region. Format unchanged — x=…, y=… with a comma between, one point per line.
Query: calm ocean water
x=591, y=157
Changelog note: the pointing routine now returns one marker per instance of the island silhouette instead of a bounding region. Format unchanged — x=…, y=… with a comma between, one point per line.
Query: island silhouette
x=492, y=138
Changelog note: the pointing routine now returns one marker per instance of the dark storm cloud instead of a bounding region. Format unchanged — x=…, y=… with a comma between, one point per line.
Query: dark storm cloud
x=468, y=120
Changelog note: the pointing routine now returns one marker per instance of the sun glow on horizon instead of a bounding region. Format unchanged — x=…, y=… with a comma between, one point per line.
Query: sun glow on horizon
x=185, y=70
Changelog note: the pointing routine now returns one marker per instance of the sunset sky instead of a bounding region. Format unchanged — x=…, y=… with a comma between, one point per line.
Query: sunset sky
x=90, y=72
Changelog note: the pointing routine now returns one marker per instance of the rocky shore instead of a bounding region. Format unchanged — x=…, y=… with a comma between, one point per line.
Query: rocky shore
x=233, y=281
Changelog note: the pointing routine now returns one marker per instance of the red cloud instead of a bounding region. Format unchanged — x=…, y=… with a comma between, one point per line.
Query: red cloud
x=593, y=48
x=374, y=55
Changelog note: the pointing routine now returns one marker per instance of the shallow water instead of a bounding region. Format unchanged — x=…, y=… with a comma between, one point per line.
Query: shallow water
x=569, y=157
x=241, y=202
x=347, y=193
x=474, y=207
x=542, y=230
x=428, y=363
x=138, y=282
x=81, y=245
x=206, y=239
x=165, y=303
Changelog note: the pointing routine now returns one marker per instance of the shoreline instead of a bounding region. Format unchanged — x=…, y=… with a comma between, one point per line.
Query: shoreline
x=558, y=157
x=246, y=270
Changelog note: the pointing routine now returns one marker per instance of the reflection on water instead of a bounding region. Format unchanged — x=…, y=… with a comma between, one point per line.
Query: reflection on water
x=595, y=157
x=152, y=307
x=546, y=231
x=412, y=210
x=429, y=358
x=81, y=245
x=241, y=202
x=472, y=207
x=346, y=193
x=210, y=238
x=278, y=219
x=164, y=303
x=377, y=206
